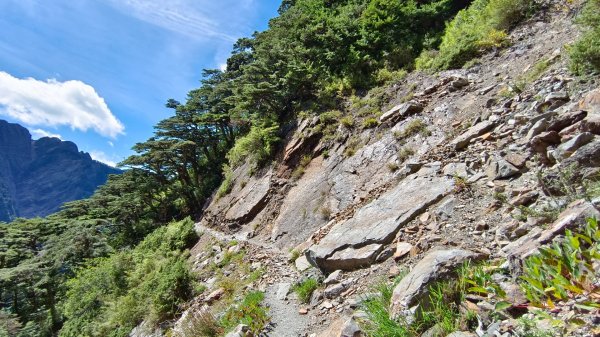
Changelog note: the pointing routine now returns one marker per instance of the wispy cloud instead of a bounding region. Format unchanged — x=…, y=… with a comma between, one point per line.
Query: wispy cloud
x=53, y=103
x=103, y=158
x=180, y=16
x=39, y=133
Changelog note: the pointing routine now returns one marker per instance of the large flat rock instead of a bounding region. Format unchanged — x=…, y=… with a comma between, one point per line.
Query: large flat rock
x=355, y=243
x=250, y=200
x=414, y=288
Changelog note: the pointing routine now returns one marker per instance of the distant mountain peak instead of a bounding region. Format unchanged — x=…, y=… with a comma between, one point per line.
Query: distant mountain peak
x=38, y=176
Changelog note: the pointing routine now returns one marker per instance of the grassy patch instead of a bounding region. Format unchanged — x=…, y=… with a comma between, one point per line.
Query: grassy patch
x=299, y=170
x=585, y=53
x=414, y=127
x=404, y=153
x=370, y=123
x=305, y=288
x=249, y=312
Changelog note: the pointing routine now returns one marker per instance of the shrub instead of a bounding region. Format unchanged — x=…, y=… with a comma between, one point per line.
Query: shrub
x=405, y=153
x=480, y=27
x=299, y=170
x=585, y=53
x=227, y=183
x=305, y=288
x=347, y=122
x=201, y=323
x=255, y=147
x=112, y=295
x=564, y=269
x=416, y=126
x=370, y=123
x=249, y=312
x=385, y=76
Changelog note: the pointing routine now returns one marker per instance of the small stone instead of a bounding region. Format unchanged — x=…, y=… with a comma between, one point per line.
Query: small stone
x=303, y=311
x=402, y=248
x=215, y=295
x=326, y=305
x=333, y=278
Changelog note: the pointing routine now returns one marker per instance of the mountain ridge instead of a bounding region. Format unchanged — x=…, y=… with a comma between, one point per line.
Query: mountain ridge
x=38, y=176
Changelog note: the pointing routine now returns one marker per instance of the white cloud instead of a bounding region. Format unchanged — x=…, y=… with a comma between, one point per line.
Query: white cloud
x=53, y=103
x=39, y=133
x=223, y=66
x=180, y=16
x=103, y=158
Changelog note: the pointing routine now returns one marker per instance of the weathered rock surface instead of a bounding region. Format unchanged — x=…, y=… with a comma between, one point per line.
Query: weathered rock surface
x=477, y=130
x=401, y=111
x=591, y=124
x=342, y=327
x=413, y=289
x=355, y=242
x=566, y=149
x=250, y=200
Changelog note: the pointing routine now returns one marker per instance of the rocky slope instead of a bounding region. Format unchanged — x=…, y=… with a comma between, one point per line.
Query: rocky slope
x=474, y=182
x=38, y=176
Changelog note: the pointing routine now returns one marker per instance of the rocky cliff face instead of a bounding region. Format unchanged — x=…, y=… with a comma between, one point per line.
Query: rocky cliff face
x=38, y=176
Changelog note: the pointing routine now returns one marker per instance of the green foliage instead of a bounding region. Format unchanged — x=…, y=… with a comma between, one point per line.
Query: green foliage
x=370, y=123
x=256, y=147
x=478, y=280
x=111, y=295
x=414, y=127
x=305, y=288
x=564, y=269
x=299, y=170
x=347, y=122
x=227, y=183
x=585, y=53
x=528, y=328
x=482, y=26
x=440, y=310
x=248, y=312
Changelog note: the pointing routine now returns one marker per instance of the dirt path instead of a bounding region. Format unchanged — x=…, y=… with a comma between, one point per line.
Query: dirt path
x=283, y=306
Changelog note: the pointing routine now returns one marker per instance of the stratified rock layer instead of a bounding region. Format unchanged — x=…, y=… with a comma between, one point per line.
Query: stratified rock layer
x=355, y=243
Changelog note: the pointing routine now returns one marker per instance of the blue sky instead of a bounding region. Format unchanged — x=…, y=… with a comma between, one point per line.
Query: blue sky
x=98, y=72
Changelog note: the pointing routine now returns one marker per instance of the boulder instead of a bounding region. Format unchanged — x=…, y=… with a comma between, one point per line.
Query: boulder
x=333, y=278
x=342, y=327
x=591, y=101
x=586, y=156
x=356, y=242
x=477, y=130
x=537, y=128
x=575, y=215
x=568, y=119
x=501, y=169
x=566, y=149
x=591, y=124
x=540, y=143
x=302, y=263
x=282, y=290
x=456, y=169
x=401, y=111
x=413, y=290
